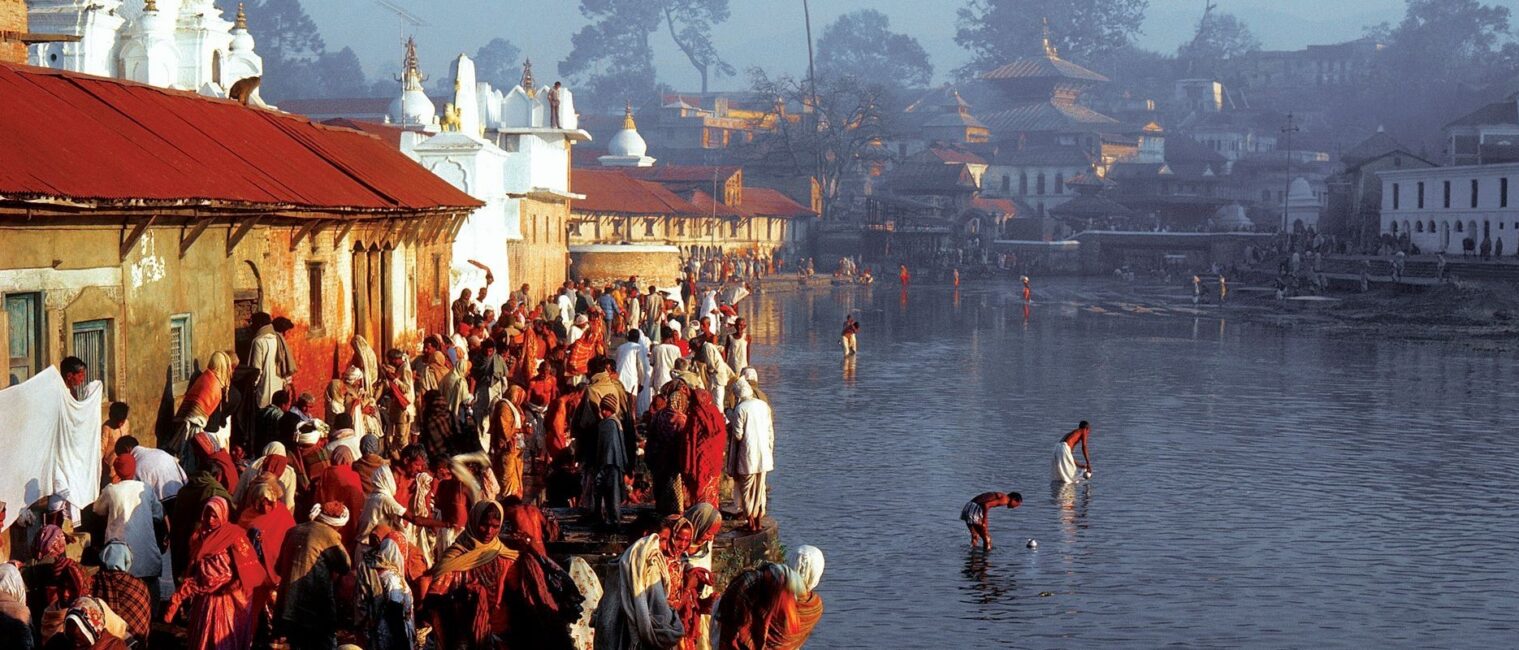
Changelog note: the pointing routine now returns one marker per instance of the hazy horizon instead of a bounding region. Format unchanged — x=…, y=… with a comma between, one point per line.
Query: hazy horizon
x=770, y=33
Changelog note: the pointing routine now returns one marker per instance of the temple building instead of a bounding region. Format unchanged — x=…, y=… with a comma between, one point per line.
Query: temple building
x=179, y=44
x=1043, y=103
x=143, y=226
x=511, y=151
x=701, y=210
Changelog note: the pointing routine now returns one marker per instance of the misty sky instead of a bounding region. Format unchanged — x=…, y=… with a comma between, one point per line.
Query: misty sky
x=769, y=32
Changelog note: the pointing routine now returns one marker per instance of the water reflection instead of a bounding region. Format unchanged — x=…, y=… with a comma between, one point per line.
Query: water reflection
x=1266, y=487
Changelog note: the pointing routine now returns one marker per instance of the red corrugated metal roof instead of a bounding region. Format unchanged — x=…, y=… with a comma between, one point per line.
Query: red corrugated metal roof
x=609, y=191
x=711, y=206
x=82, y=137
x=390, y=133
x=766, y=202
x=684, y=173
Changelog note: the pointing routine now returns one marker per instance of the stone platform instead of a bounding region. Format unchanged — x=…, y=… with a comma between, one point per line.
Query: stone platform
x=733, y=550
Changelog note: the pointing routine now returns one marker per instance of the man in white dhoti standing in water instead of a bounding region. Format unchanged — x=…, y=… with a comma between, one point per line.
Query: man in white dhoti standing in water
x=1064, y=468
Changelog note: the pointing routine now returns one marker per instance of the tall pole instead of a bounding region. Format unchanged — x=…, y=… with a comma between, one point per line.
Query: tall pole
x=812, y=90
x=1288, y=130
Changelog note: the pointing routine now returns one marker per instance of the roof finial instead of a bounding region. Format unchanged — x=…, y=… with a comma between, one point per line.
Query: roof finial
x=527, y=75
x=150, y=5
x=1049, y=48
x=242, y=18
x=627, y=118
x=411, y=69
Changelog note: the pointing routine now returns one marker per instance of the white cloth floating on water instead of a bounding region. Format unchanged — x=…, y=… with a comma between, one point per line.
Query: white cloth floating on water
x=51, y=443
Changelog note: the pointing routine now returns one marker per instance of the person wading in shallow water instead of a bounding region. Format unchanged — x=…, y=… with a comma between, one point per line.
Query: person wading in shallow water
x=847, y=337
x=974, y=514
x=1065, y=469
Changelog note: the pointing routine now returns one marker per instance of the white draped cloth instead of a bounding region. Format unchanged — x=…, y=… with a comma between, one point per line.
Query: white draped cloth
x=751, y=443
x=633, y=371
x=663, y=364
x=1063, y=466
x=51, y=443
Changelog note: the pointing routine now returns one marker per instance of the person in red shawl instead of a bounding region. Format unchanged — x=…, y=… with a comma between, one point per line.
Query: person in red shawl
x=267, y=521
x=341, y=484
x=53, y=581
x=469, y=583
x=707, y=442
x=223, y=575
x=556, y=435
x=210, y=457
x=540, y=614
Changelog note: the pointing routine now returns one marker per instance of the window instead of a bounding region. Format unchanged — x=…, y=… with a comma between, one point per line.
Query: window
x=574, y=228
x=1418, y=226
x=1503, y=192
x=1447, y=194
x=1007, y=184
x=24, y=333
x=1059, y=182
x=680, y=228
x=1040, y=184
x=1474, y=192
x=1421, y=195
x=733, y=229
x=648, y=228
x=1395, y=196
x=1460, y=227
x=92, y=343
x=314, y=280
x=181, y=351
x=1022, y=183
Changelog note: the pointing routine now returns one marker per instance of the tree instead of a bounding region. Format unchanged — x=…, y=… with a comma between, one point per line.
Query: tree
x=826, y=142
x=296, y=61
x=498, y=63
x=861, y=44
x=340, y=75
x=1088, y=31
x=1441, y=38
x=612, y=59
x=1219, y=37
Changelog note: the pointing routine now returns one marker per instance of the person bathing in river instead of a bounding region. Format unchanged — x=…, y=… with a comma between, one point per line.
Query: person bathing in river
x=847, y=338
x=1028, y=291
x=974, y=514
x=1065, y=469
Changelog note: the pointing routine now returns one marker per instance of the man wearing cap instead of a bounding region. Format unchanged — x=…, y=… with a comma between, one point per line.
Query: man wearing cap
x=132, y=513
x=611, y=462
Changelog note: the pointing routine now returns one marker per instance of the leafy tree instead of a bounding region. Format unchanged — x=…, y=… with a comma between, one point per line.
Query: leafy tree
x=296, y=60
x=499, y=64
x=284, y=31
x=861, y=44
x=1459, y=38
x=1091, y=32
x=612, y=60
x=826, y=142
x=340, y=75
x=1219, y=37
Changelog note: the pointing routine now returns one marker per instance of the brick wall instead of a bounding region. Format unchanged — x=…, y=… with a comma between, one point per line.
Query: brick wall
x=12, y=26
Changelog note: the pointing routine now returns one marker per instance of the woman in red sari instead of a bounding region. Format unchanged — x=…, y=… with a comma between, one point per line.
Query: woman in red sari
x=705, y=447
x=267, y=521
x=223, y=574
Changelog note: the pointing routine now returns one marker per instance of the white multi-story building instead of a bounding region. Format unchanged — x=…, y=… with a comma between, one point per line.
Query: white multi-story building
x=510, y=150
x=1440, y=207
x=181, y=44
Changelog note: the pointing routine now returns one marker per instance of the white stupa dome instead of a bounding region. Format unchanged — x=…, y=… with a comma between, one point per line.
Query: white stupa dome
x=1300, y=189
x=413, y=107
x=1232, y=217
x=627, y=142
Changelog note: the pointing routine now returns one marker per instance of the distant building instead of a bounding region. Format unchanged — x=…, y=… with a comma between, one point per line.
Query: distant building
x=1281, y=78
x=1043, y=103
x=1036, y=176
x=142, y=227
x=1487, y=135
x=1354, y=204
x=186, y=45
x=1438, y=208
x=701, y=210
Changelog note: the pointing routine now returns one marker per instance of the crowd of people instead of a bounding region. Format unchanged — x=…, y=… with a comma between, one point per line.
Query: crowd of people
x=417, y=511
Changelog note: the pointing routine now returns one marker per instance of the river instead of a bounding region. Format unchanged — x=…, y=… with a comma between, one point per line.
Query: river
x=1254, y=486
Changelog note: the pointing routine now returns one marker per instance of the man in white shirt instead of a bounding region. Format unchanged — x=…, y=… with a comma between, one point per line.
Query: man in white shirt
x=751, y=454
x=155, y=467
x=663, y=356
x=130, y=510
x=633, y=370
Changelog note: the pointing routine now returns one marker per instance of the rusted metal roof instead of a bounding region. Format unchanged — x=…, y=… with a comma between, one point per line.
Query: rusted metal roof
x=609, y=191
x=766, y=202
x=1042, y=67
x=83, y=138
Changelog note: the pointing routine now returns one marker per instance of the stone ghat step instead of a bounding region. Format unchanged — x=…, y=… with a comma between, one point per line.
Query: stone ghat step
x=733, y=550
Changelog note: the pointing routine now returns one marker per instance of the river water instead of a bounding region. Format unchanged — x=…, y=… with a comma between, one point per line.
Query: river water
x=1253, y=486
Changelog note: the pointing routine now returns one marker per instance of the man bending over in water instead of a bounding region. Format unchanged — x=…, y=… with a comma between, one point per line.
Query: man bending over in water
x=974, y=514
x=1065, y=469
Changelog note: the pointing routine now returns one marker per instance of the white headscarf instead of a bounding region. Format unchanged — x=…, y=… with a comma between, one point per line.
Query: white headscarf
x=807, y=562
x=337, y=521
x=383, y=499
x=11, y=586
x=643, y=575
